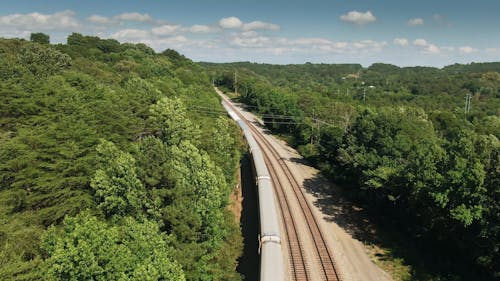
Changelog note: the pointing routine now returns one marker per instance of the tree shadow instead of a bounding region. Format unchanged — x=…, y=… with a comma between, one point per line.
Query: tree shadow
x=427, y=259
x=249, y=262
x=336, y=207
x=301, y=161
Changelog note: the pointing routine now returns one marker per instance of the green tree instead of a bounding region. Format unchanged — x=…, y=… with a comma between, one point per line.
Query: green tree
x=196, y=212
x=58, y=101
x=222, y=146
x=39, y=37
x=464, y=193
x=200, y=182
x=152, y=162
x=170, y=116
x=43, y=61
x=118, y=190
x=87, y=248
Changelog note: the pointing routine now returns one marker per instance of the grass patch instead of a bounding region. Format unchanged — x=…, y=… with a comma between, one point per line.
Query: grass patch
x=395, y=266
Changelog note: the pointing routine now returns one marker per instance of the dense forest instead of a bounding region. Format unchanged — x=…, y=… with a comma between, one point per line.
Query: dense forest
x=112, y=168
x=109, y=169
x=418, y=145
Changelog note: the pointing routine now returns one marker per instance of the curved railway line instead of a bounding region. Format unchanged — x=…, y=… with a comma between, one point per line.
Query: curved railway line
x=298, y=264
x=299, y=270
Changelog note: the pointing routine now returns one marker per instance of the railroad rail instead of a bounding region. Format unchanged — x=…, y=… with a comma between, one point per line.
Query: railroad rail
x=325, y=256
x=298, y=264
x=299, y=270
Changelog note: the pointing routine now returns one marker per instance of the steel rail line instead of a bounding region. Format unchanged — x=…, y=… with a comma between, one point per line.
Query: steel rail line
x=323, y=252
x=326, y=258
x=296, y=250
x=298, y=264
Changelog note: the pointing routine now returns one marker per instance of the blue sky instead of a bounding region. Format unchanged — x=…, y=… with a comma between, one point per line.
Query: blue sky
x=435, y=33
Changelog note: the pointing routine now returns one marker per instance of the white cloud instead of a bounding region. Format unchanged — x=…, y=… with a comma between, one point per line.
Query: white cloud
x=312, y=41
x=369, y=45
x=131, y=34
x=249, y=33
x=15, y=34
x=179, y=39
x=233, y=38
x=427, y=48
x=64, y=20
x=158, y=38
x=400, y=41
x=177, y=42
x=307, y=45
x=251, y=42
x=359, y=18
x=420, y=42
x=235, y=23
x=99, y=19
x=254, y=25
x=134, y=17
x=340, y=45
x=230, y=23
x=467, y=50
x=432, y=49
x=198, y=28
x=415, y=22
x=166, y=29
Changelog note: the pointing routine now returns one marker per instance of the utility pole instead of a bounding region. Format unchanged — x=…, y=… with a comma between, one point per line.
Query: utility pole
x=319, y=130
x=235, y=81
x=312, y=126
x=465, y=107
x=364, y=91
x=470, y=99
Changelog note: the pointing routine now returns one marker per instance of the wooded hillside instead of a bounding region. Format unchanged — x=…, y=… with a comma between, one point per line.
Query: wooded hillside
x=418, y=145
x=109, y=171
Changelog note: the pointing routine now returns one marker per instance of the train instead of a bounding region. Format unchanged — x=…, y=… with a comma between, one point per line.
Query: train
x=271, y=255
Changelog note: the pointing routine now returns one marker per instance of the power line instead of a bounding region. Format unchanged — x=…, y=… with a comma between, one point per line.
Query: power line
x=208, y=108
x=284, y=123
x=279, y=117
x=217, y=113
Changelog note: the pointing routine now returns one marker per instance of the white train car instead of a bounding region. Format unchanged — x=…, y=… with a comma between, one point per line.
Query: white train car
x=271, y=256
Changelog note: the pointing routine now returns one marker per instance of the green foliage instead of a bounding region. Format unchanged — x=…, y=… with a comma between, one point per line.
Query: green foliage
x=87, y=248
x=175, y=57
x=152, y=159
x=60, y=103
x=196, y=176
x=222, y=147
x=39, y=37
x=170, y=116
x=118, y=190
x=43, y=61
x=408, y=150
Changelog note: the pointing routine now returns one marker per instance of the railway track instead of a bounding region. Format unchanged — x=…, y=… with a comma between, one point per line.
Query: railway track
x=325, y=257
x=299, y=270
x=298, y=263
